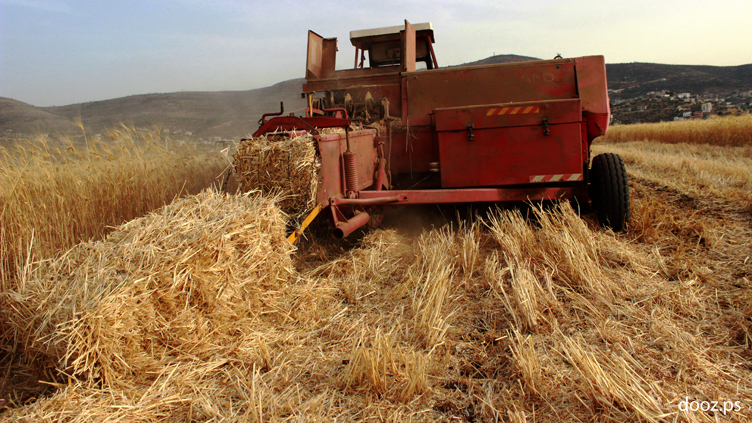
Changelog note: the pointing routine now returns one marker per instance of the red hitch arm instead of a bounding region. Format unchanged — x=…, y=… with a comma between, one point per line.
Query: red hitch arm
x=281, y=110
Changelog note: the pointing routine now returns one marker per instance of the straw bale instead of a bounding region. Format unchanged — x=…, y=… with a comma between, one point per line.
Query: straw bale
x=287, y=168
x=170, y=286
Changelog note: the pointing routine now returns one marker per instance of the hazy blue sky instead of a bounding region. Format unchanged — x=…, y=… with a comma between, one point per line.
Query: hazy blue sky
x=57, y=52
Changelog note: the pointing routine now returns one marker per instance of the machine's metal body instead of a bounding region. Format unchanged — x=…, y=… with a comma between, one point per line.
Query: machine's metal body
x=502, y=132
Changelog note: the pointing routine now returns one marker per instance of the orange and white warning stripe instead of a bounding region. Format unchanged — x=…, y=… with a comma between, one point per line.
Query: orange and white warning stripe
x=564, y=177
x=513, y=110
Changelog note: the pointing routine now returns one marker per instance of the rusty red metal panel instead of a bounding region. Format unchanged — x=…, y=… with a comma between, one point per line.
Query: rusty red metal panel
x=332, y=174
x=329, y=57
x=331, y=179
x=365, y=72
x=508, y=114
x=337, y=82
x=407, y=55
x=488, y=84
x=412, y=151
x=313, y=60
x=591, y=85
x=596, y=124
x=477, y=195
x=508, y=156
x=321, y=57
x=585, y=149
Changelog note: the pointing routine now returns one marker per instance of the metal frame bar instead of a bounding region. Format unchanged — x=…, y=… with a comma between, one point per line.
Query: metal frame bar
x=464, y=195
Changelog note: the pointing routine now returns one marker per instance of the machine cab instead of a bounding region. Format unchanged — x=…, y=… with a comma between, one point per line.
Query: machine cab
x=391, y=50
x=385, y=45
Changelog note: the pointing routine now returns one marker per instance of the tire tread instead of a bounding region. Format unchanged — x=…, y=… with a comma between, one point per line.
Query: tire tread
x=610, y=190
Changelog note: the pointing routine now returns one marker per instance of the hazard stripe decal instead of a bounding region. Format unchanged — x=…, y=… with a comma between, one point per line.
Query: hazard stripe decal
x=513, y=111
x=567, y=177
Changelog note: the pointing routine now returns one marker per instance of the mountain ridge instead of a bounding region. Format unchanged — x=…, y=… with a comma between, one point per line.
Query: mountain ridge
x=234, y=114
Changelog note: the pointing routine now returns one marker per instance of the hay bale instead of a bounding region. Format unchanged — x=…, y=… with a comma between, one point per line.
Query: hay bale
x=286, y=168
x=169, y=287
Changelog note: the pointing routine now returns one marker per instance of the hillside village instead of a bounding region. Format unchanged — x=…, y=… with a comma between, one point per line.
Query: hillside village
x=665, y=105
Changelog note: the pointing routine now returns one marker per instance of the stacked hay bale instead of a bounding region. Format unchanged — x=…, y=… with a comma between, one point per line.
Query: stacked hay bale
x=280, y=166
x=163, y=290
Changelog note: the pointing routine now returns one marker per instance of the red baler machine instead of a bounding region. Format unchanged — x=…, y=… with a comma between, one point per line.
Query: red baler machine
x=490, y=133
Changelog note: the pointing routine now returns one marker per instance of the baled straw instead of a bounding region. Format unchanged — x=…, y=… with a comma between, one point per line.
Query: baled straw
x=167, y=287
x=287, y=168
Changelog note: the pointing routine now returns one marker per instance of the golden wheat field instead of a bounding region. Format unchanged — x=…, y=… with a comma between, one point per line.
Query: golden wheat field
x=54, y=196
x=201, y=311
x=726, y=131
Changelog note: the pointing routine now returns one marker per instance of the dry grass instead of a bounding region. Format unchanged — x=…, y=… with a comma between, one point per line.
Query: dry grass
x=52, y=197
x=546, y=320
x=733, y=131
x=180, y=316
x=708, y=171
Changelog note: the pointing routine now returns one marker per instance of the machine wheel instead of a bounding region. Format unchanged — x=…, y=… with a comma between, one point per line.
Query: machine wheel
x=610, y=190
x=377, y=216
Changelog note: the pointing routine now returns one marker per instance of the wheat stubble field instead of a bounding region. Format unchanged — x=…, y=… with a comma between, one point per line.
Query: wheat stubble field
x=201, y=311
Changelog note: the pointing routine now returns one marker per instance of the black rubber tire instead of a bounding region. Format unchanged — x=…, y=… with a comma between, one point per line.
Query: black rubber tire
x=609, y=191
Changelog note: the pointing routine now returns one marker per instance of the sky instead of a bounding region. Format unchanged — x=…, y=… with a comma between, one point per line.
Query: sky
x=59, y=52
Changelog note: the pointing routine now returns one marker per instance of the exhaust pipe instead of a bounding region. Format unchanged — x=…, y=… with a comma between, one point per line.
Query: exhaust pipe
x=344, y=229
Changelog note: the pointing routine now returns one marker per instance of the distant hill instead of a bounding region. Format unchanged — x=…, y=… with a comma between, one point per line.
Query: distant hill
x=629, y=80
x=234, y=114
x=500, y=58
x=227, y=114
x=634, y=79
x=18, y=116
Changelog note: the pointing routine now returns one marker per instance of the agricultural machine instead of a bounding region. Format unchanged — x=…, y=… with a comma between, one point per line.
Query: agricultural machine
x=423, y=134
